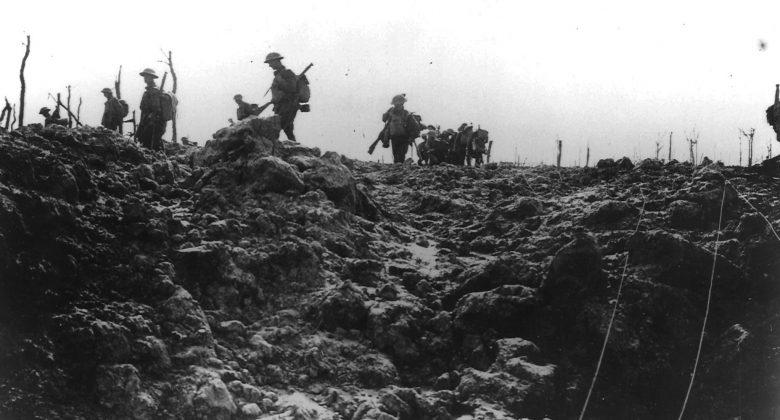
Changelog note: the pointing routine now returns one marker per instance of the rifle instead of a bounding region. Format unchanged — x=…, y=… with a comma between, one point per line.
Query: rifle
x=60, y=104
x=382, y=134
x=296, y=78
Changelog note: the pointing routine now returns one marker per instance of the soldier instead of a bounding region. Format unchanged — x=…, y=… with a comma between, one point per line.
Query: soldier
x=113, y=112
x=53, y=119
x=152, y=126
x=400, y=130
x=284, y=93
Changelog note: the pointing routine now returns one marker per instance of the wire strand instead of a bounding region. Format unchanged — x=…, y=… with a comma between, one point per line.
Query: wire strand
x=755, y=209
x=707, y=310
x=614, y=312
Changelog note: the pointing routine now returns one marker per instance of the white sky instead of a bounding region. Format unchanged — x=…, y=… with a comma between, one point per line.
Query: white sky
x=610, y=75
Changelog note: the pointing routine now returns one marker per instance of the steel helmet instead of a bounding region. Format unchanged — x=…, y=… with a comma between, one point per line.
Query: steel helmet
x=398, y=99
x=44, y=110
x=106, y=90
x=238, y=96
x=149, y=72
x=273, y=56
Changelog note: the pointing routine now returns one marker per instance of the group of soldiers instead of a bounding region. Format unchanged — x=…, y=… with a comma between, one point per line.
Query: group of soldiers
x=156, y=106
x=403, y=127
x=285, y=96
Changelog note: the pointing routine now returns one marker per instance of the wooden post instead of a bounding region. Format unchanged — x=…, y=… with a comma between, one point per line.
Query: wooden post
x=70, y=120
x=560, y=147
x=118, y=90
x=490, y=146
x=7, y=115
x=670, y=146
x=78, y=110
x=5, y=111
x=24, y=85
x=740, y=149
x=70, y=113
x=169, y=62
x=587, y=156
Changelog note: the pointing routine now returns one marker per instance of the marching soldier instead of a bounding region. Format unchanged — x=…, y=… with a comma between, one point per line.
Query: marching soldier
x=152, y=125
x=284, y=93
x=113, y=112
x=400, y=129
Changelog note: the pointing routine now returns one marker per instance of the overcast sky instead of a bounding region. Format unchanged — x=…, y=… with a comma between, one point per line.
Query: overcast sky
x=608, y=75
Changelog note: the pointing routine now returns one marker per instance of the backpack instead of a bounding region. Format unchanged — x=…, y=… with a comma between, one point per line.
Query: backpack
x=304, y=93
x=168, y=103
x=771, y=118
x=125, y=107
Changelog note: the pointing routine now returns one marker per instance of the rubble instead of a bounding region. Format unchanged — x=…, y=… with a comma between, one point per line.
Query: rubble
x=253, y=278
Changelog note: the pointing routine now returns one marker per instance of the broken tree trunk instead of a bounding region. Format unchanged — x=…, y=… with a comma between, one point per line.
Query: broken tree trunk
x=78, y=110
x=117, y=83
x=70, y=114
x=560, y=146
x=175, y=86
x=70, y=119
x=7, y=113
x=14, y=120
x=670, y=146
x=118, y=90
x=587, y=157
x=6, y=109
x=24, y=85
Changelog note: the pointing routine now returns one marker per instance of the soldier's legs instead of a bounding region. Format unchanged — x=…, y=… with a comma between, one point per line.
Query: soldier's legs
x=400, y=146
x=287, y=122
x=159, y=130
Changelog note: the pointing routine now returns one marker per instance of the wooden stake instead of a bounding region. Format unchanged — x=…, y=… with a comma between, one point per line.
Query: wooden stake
x=117, y=84
x=560, y=147
x=78, y=110
x=587, y=156
x=7, y=115
x=670, y=146
x=118, y=90
x=24, y=85
x=14, y=114
x=70, y=120
x=175, y=86
x=70, y=114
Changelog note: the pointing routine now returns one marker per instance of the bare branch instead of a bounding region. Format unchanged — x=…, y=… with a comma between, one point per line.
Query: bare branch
x=24, y=84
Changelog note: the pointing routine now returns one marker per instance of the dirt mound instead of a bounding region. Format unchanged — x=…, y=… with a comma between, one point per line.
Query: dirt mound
x=253, y=278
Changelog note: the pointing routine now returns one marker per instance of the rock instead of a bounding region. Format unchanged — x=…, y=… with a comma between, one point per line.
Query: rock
x=605, y=163
x=498, y=272
x=213, y=401
x=649, y=165
x=376, y=371
x=508, y=309
x=575, y=269
x=232, y=327
x=671, y=259
x=509, y=348
x=270, y=173
x=335, y=180
x=342, y=307
x=256, y=136
x=393, y=327
x=624, y=164
x=251, y=410
x=686, y=215
x=184, y=319
x=117, y=385
x=611, y=212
